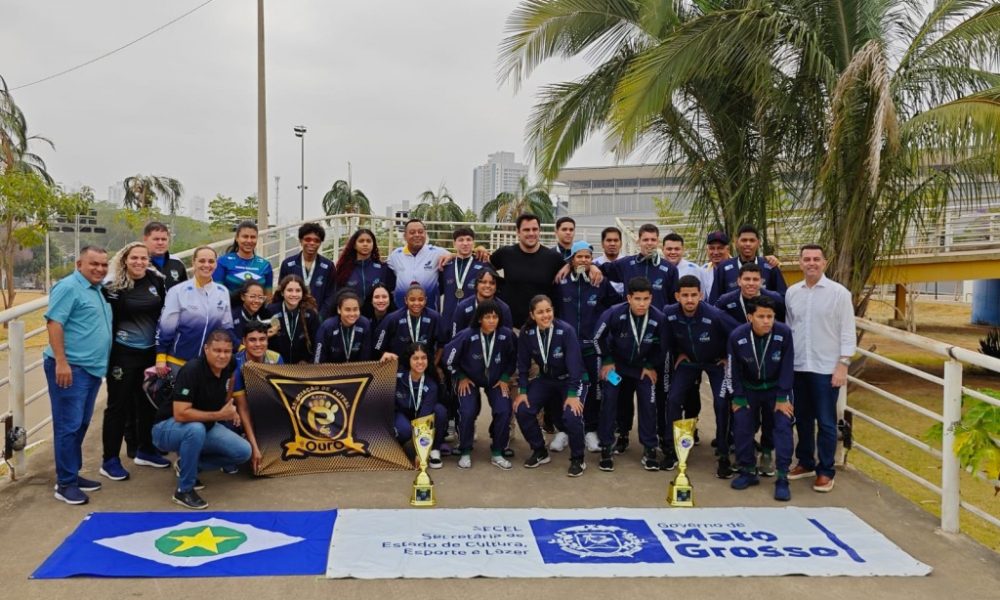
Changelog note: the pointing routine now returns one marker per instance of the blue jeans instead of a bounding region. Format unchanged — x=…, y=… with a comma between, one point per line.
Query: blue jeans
x=816, y=404
x=72, y=408
x=200, y=448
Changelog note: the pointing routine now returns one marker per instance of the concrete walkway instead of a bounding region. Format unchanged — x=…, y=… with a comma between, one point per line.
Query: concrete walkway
x=32, y=524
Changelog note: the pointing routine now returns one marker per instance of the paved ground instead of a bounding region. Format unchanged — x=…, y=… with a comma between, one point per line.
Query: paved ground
x=32, y=524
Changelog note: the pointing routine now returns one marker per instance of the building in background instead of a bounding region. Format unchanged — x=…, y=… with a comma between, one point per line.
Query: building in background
x=596, y=195
x=196, y=209
x=500, y=174
x=116, y=193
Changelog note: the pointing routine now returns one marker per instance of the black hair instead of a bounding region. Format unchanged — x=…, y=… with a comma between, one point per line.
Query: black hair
x=812, y=247
x=243, y=225
x=347, y=294
x=751, y=267
x=761, y=301
x=649, y=228
x=533, y=303
x=483, y=273
x=521, y=218
x=315, y=228
x=368, y=309
x=411, y=349
x=673, y=236
x=639, y=284
x=607, y=230
x=485, y=307
x=255, y=326
x=412, y=220
x=415, y=286
x=236, y=299
x=463, y=231
x=748, y=229
x=689, y=281
x=562, y=220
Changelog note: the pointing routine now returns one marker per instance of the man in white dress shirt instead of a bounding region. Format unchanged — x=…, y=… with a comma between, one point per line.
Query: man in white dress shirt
x=821, y=315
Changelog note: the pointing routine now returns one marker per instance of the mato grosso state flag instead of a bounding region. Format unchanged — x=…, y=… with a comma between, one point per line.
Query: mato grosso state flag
x=175, y=544
x=326, y=417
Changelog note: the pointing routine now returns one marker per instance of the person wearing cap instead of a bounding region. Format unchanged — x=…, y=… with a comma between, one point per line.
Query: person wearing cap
x=748, y=248
x=717, y=250
x=580, y=304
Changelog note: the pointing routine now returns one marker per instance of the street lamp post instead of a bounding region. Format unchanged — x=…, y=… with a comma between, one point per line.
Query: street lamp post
x=300, y=132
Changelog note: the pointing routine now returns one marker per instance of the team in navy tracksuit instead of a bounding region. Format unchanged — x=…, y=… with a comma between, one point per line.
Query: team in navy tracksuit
x=735, y=304
x=366, y=274
x=761, y=373
x=696, y=342
x=417, y=398
x=464, y=269
x=662, y=275
x=466, y=310
x=321, y=279
x=631, y=343
x=466, y=358
x=556, y=351
x=580, y=303
x=727, y=275
x=402, y=328
x=338, y=342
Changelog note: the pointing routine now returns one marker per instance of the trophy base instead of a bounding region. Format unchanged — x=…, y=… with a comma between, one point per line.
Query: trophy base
x=680, y=495
x=423, y=496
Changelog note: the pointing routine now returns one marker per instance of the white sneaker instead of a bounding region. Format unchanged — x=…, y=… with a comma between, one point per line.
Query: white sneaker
x=592, y=442
x=559, y=442
x=501, y=463
x=465, y=462
x=452, y=435
x=434, y=461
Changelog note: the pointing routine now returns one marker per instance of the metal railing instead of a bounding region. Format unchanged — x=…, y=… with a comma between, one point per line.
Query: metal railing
x=955, y=358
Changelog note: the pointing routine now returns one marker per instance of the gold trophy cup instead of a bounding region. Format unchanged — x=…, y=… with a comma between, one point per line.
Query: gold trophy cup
x=680, y=493
x=423, y=440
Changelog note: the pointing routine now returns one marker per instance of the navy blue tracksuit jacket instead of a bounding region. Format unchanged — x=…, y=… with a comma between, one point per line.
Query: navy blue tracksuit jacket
x=730, y=304
x=659, y=271
x=727, y=275
x=394, y=334
x=322, y=286
x=332, y=341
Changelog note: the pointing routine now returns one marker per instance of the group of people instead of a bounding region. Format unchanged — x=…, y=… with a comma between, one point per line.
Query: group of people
x=556, y=340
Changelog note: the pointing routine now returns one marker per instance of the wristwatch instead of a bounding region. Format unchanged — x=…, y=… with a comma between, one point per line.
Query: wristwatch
x=844, y=361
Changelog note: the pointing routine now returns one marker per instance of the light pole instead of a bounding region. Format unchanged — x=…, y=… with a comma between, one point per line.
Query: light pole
x=261, y=124
x=277, y=204
x=300, y=132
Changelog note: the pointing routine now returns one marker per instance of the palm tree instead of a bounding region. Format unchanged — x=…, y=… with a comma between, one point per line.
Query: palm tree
x=341, y=199
x=533, y=199
x=868, y=114
x=438, y=206
x=14, y=139
x=143, y=191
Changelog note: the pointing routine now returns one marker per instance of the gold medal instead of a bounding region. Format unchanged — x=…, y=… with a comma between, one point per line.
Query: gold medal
x=460, y=293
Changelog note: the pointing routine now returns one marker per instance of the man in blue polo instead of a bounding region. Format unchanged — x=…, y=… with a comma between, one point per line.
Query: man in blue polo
x=416, y=262
x=78, y=321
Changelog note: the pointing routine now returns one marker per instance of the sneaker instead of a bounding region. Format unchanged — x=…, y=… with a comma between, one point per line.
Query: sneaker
x=781, y=491
x=559, y=442
x=87, y=485
x=465, y=462
x=538, y=457
x=823, y=484
x=230, y=469
x=649, y=461
x=765, y=467
x=150, y=460
x=452, y=435
x=669, y=461
x=113, y=469
x=591, y=441
x=71, y=494
x=800, y=472
x=190, y=499
x=744, y=480
x=621, y=445
x=434, y=461
x=697, y=438
x=501, y=463
x=725, y=468
x=508, y=452
x=198, y=485
x=576, y=467
x=607, y=459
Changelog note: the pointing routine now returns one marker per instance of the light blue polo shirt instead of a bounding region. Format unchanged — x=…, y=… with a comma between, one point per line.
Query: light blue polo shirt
x=80, y=308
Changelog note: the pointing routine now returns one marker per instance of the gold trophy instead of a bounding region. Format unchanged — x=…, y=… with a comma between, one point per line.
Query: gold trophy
x=423, y=440
x=680, y=488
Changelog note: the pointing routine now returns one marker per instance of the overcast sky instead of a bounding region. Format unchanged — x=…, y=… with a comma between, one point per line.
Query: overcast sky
x=404, y=90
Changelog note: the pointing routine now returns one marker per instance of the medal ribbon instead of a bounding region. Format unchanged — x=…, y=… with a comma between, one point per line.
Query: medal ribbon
x=544, y=349
x=763, y=355
x=641, y=333
x=417, y=396
x=414, y=330
x=460, y=278
x=348, y=344
x=487, y=349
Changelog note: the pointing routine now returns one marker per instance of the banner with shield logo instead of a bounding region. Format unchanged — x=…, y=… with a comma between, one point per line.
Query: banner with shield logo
x=318, y=418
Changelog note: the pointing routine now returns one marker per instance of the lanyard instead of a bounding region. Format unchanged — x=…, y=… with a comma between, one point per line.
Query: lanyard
x=307, y=274
x=414, y=329
x=743, y=305
x=487, y=349
x=461, y=277
x=348, y=344
x=641, y=333
x=417, y=396
x=763, y=357
x=290, y=327
x=544, y=350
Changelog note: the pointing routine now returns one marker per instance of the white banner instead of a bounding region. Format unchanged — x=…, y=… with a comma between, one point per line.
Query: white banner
x=611, y=542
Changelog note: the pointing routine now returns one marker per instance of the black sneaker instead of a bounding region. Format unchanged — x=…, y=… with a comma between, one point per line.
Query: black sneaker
x=697, y=438
x=607, y=459
x=508, y=452
x=649, y=461
x=198, y=485
x=190, y=499
x=538, y=457
x=87, y=485
x=576, y=467
x=669, y=461
x=725, y=470
x=621, y=445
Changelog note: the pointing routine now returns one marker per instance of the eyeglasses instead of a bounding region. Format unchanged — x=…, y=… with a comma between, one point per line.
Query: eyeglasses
x=254, y=297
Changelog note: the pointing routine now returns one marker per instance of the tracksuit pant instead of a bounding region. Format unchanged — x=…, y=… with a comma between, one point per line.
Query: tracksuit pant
x=745, y=423
x=547, y=392
x=468, y=409
x=685, y=378
x=645, y=401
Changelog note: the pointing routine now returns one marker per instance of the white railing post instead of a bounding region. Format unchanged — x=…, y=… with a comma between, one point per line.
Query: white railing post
x=952, y=414
x=282, y=245
x=15, y=333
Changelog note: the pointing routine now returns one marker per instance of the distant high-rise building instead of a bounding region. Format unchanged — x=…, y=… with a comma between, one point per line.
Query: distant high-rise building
x=500, y=174
x=116, y=193
x=196, y=208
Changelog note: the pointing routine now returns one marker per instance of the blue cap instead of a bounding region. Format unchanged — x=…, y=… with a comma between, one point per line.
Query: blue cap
x=577, y=247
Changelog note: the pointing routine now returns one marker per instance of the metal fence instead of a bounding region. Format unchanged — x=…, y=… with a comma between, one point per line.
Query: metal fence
x=279, y=242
